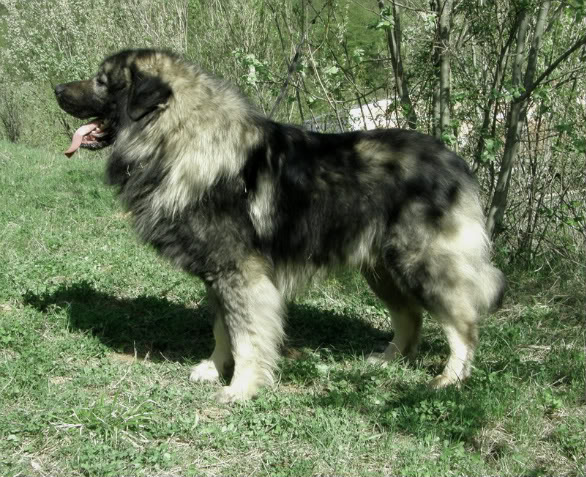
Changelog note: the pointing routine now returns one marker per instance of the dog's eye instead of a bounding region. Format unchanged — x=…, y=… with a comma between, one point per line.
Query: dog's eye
x=100, y=81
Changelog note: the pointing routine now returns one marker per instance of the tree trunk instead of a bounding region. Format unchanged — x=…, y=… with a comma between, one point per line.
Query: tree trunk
x=497, y=84
x=435, y=113
x=516, y=116
x=445, y=86
x=441, y=61
x=394, y=39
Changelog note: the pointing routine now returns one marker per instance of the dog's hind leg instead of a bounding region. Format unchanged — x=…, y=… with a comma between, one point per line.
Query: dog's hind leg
x=252, y=310
x=406, y=317
x=461, y=330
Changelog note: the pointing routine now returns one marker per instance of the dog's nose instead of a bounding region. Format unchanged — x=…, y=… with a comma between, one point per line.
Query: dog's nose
x=59, y=89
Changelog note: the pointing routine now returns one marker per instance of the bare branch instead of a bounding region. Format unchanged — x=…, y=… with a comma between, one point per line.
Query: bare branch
x=552, y=67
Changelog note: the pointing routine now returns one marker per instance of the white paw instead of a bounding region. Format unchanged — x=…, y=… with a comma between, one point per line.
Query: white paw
x=204, y=372
x=392, y=353
x=443, y=380
x=377, y=359
x=229, y=394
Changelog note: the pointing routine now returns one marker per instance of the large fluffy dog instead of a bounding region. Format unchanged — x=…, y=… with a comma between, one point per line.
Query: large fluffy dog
x=254, y=207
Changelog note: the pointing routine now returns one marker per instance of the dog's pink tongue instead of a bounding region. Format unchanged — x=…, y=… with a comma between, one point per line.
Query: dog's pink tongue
x=79, y=135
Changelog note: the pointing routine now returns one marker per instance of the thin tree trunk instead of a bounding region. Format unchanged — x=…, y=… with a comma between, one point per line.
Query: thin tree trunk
x=394, y=39
x=497, y=84
x=516, y=115
x=436, y=108
x=441, y=62
x=445, y=86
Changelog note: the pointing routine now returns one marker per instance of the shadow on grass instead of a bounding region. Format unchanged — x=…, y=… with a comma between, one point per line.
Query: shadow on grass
x=142, y=325
x=455, y=414
x=171, y=331
x=344, y=335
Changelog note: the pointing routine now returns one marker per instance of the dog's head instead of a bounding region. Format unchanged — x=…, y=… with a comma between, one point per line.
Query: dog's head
x=126, y=89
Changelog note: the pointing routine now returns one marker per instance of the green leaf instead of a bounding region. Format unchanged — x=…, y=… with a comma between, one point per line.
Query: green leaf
x=384, y=25
x=332, y=70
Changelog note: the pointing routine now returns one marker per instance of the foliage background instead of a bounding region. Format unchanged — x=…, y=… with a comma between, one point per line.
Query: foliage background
x=306, y=60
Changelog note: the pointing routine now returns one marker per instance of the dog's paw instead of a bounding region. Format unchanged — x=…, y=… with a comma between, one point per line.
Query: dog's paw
x=229, y=395
x=377, y=359
x=392, y=353
x=204, y=372
x=443, y=380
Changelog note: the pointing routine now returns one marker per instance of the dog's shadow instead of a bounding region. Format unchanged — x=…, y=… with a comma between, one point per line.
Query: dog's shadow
x=167, y=331
x=164, y=330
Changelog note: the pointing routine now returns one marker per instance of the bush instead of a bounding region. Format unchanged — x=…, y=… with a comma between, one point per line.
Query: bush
x=11, y=114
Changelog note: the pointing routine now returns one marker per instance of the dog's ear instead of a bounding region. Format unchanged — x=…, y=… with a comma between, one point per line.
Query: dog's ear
x=146, y=94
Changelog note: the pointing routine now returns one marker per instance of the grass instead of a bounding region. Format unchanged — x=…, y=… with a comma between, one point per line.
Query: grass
x=97, y=335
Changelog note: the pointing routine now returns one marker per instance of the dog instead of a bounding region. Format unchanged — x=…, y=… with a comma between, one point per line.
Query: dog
x=255, y=208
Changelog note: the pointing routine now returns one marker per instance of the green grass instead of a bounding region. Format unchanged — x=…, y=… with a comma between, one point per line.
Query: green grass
x=97, y=335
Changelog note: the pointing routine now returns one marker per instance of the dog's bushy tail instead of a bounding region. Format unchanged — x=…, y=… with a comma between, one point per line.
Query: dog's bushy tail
x=493, y=284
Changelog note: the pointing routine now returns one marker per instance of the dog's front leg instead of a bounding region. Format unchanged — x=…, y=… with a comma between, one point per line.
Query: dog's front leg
x=221, y=362
x=252, y=311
